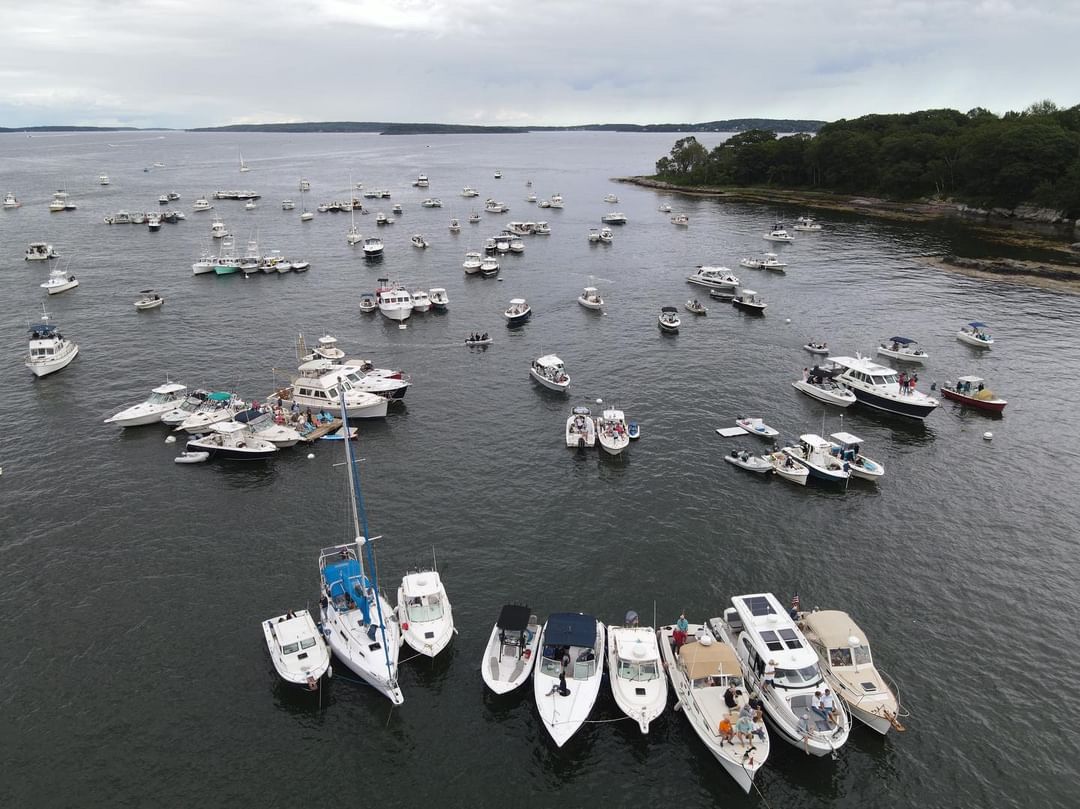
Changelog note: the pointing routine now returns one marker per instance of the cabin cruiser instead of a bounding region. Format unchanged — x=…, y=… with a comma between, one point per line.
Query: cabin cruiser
x=439, y=299
x=568, y=677
x=668, y=320
x=201, y=204
x=815, y=453
x=489, y=267
x=231, y=441
x=10, y=201
x=590, y=298
x=517, y=312
x=511, y=649
x=297, y=649
x=902, y=348
x=424, y=614
x=848, y=449
x=471, y=265
x=50, y=351
x=972, y=391
x=432, y=202
x=636, y=672
x=219, y=406
x=764, y=635
x=877, y=386
x=40, y=251
x=750, y=302
x=818, y=383
x=556, y=201
x=394, y=301
x=844, y=656
x=580, y=428
x=768, y=261
x=548, y=370
x=468, y=191
x=192, y=403
x=702, y=669
x=321, y=384
x=59, y=281
x=162, y=399
x=373, y=246
x=614, y=218
x=612, y=432
x=975, y=334
x=807, y=225
x=680, y=220
x=778, y=234
x=421, y=301
x=542, y=229
x=218, y=229
x=714, y=278
x=493, y=206
x=153, y=222
x=421, y=181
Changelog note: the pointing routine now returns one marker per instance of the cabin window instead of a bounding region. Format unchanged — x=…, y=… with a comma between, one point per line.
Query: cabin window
x=637, y=672
x=890, y=378
x=417, y=610
x=332, y=393
x=307, y=643
x=290, y=648
x=305, y=391
x=798, y=677
x=862, y=655
x=790, y=638
x=584, y=669
x=840, y=657
x=771, y=641
x=759, y=605
x=550, y=667
x=878, y=380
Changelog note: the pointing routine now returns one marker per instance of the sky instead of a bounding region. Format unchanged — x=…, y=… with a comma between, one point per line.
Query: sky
x=187, y=63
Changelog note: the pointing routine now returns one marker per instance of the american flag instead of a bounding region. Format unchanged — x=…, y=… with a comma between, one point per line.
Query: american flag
x=795, y=606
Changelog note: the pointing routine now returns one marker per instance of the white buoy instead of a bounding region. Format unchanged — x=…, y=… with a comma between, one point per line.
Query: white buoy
x=310, y=455
x=170, y=439
x=988, y=436
x=788, y=320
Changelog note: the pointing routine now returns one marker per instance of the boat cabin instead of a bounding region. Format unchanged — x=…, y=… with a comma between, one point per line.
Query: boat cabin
x=293, y=636
x=423, y=596
x=551, y=367
x=970, y=385
x=838, y=639
x=866, y=371
x=709, y=664
x=638, y=660
x=847, y=446
x=346, y=587
x=571, y=637
x=765, y=632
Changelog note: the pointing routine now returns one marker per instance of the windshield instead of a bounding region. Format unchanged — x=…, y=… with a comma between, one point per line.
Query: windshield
x=158, y=398
x=417, y=610
x=638, y=672
x=290, y=648
x=797, y=677
x=862, y=655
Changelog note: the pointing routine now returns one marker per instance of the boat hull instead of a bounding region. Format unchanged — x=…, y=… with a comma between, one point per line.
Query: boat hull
x=972, y=340
x=550, y=384
x=988, y=405
x=915, y=408
x=40, y=369
x=902, y=356
x=258, y=453
x=825, y=396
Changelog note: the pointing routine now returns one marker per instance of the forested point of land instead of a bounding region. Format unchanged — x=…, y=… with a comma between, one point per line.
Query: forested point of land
x=978, y=157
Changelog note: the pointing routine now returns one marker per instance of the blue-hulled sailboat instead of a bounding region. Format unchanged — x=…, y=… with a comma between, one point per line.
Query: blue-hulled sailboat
x=359, y=624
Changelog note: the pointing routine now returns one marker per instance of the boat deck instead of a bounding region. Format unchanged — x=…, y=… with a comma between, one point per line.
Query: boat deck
x=321, y=430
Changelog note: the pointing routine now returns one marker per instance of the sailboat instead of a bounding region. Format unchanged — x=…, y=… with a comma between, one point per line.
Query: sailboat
x=360, y=625
x=306, y=215
x=243, y=165
x=352, y=236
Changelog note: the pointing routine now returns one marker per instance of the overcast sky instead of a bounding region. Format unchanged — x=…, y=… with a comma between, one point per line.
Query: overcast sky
x=182, y=63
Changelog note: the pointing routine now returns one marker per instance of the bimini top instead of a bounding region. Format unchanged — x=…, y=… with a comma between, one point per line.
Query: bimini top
x=974, y=380
x=815, y=441
x=549, y=361
x=846, y=438
x=864, y=364
x=774, y=634
x=581, y=410
x=169, y=388
x=835, y=628
x=976, y=324
x=513, y=617
x=904, y=341
x=668, y=309
x=219, y=396
x=248, y=416
x=517, y=301
x=41, y=331
x=570, y=629
x=708, y=660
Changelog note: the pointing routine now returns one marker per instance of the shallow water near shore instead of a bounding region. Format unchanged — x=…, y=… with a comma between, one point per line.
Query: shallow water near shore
x=133, y=587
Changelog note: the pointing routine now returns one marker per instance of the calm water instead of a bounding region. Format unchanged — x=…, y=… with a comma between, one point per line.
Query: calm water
x=132, y=588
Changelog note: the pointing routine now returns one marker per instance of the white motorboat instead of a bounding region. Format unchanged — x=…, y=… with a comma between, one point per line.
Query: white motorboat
x=40, y=251
x=769, y=261
x=511, y=650
x=368, y=303
x=778, y=234
x=103, y=179
x=749, y=461
x=192, y=457
x=815, y=453
x=517, y=245
x=455, y=226
x=668, y=320
x=580, y=428
x=614, y=218
x=269, y=425
x=502, y=243
x=695, y=307
x=818, y=383
x=250, y=205
x=570, y=670
x=714, y=278
x=636, y=672
x=556, y=201
x=153, y=222
x=119, y=218
x=756, y=426
x=701, y=671
x=432, y=203
x=902, y=348
x=786, y=468
x=424, y=613
x=749, y=301
x=489, y=267
x=59, y=281
x=297, y=648
x=805, y=224
x=816, y=347
x=680, y=220
x=498, y=174
x=440, y=301
x=762, y=633
x=49, y=351
x=163, y=199
x=848, y=449
x=201, y=204
x=590, y=298
x=878, y=386
x=288, y=205
x=362, y=630
x=421, y=301
x=664, y=208
x=493, y=206
x=606, y=236
x=611, y=199
x=394, y=301
x=352, y=235
x=594, y=236
x=305, y=185
x=149, y=299
x=373, y=246
x=726, y=294
x=419, y=241
x=472, y=262
x=542, y=229
x=219, y=406
x=548, y=370
x=193, y=402
x=474, y=218
x=844, y=655
x=517, y=312
x=421, y=181
x=10, y=201
x=162, y=399
x=321, y=385
x=468, y=192
x=611, y=431
x=975, y=334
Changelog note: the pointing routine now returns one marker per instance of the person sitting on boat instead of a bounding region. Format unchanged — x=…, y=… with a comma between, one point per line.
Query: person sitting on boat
x=726, y=731
x=484, y=336
x=744, y=729
x=828, y=707
x=682, y=626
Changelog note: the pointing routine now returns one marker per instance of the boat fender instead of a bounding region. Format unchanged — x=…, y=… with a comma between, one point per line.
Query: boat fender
x=327, y=632
x=527, y=654
x=405, y=625
x=329, y=672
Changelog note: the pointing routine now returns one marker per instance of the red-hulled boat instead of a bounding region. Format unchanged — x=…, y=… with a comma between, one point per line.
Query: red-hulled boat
x=972, y=391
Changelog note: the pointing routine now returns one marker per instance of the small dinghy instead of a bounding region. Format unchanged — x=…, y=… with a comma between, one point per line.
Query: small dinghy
x=756, y=426
x=482, y=340
x=722, y=294
x=191, y=457
x=815, y=347
x=696, y=307
x=633, y=431
x=748, y=461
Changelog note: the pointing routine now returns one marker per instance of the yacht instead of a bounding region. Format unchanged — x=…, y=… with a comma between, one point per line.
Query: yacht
x=59, y=281
x=877, y=386
x=749, y=301
x=231, y=441
x=815, y=453
x=511, y=649
x=636, y=672
x=373, y=246
x=10, y=201
x=218, y=229
x=975, y=334
x=611, y=431
x=394, y=301
x=50, y=351
x=424, y=613
x=201, y=204
x=701, y=671
x=548, y=370
x=614, y=218
x=517, y=312
x=421, y=301
x=714, y=278
x=321, y=384
x=569, y=673
x=472, y=262
x=580, y=428
x=902, y=348
x=162, y=399
x=361, y=628
x=778, y=234
x=972, y=391
x=762, y=633
x=848, y=448
x=590, y=298
x=769, y=261
x=297, y=649
x=668, y=320
x=439, y=299
x=40, y=251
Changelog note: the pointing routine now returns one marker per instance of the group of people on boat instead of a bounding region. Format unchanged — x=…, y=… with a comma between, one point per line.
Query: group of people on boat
x=907, y=383
x=477, y=337
x=816, y=375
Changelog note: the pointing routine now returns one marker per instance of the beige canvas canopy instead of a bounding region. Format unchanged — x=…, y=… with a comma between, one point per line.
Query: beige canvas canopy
x=702, y=661
x=834, y=628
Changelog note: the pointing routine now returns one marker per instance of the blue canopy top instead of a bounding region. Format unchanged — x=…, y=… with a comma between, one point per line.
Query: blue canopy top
x=570, y=629
x=904, y=341
x=43, y=329
x=219, y=396
x=248, y=415
x=975, y=324
x=346, y=579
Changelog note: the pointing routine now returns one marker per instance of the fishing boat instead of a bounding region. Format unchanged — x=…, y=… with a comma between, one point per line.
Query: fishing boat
x=815, y=453
x=975, y=334
x=848, y=449
x=548, y=370
x=590, y=298
x=424, y=613
x=511, y=650
x=358, y=621
x=49, y=351
x=778, y=234
x=40, y=251
x=59, y=281
x=570, y=671
x=148, y=299
x=902, y=348
x=636, y=671
x=297, y=649
x=11, y=201
x=750, y=302
x=394, y=301
x=972, y=392
x=580, y=428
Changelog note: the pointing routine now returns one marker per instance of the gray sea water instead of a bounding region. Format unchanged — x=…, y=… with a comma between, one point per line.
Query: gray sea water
x=131, y=588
